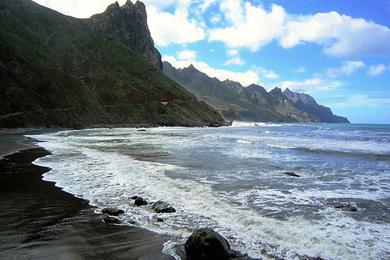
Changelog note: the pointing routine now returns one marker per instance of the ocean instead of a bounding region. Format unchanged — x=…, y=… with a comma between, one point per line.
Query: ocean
x=234, y=180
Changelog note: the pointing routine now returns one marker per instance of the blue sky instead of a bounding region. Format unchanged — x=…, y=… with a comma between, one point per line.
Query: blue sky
x=335, y=50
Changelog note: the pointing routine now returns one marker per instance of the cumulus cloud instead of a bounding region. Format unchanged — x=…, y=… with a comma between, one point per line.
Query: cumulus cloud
x=269, y=74
x=376, y=70
x=235, y=61
x=311, y=84
x=167, y=28
x=347, y=69
x=255, y=26
x=339, y=35
x=245, y=78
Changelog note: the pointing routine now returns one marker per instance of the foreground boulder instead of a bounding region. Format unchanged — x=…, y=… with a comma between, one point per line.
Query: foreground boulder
x=163, y=207
x=140, y=201
x=111, y=220
x=206, y=244
x=113, y=211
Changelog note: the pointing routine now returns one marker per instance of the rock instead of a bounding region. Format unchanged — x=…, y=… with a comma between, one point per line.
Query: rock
x=292, y=174
x=140, y=202
x=135, y=197
x=113, y=211
x=159, y=220
x=207, y=244
x=163, y=207
x=111, y=220
x=346, y=206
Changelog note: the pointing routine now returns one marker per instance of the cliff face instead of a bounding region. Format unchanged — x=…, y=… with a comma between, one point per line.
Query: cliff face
x=309, y=105
x=235, y=102
x=128, y=24
x=252, y=103
x=61, y=71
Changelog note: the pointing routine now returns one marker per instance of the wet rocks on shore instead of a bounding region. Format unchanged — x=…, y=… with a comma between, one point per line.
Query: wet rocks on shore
x=163, y=207
x=112, y=211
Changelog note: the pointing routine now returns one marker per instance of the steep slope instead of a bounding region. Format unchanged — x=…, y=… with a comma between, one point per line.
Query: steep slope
x=309, y=105
x=62, y=71
x=235, y=102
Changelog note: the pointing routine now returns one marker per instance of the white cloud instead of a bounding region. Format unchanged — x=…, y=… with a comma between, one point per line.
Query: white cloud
x=311, y=84
x=300, y=69
x=232, y=53
x=250, y=26
x=215, y=18
x=269, y=74
x=77, y=8
x=376, y=70
x=245, y=78
x=340, y=35
x=176, y=28
x=235, y=61
x=186, y=55
x=347, y=69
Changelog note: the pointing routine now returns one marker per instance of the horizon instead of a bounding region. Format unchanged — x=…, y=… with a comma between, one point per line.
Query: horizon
x=326, y=60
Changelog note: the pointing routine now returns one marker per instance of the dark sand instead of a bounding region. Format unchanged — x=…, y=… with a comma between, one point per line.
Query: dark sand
x=40, y=221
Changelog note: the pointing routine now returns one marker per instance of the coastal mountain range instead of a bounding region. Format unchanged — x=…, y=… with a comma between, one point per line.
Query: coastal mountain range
x=252, y=103
x=57, y=70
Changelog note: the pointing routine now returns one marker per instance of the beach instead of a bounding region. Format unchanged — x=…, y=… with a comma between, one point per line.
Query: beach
x=40, y=221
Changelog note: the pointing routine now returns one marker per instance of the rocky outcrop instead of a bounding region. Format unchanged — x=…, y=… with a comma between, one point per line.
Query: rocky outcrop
x=112, y=211
x=128, y=24
x=140, y=201
x=111, y=220
x=207, y=244
x=163, y=207
x=309, y=105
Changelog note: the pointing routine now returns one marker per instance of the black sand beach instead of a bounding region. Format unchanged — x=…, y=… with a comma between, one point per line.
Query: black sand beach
x=40, y=221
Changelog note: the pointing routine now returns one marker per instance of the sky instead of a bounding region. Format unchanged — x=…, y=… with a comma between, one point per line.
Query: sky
x=338, y=51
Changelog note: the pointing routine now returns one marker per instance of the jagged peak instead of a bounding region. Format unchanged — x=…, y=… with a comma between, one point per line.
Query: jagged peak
x=113, y=6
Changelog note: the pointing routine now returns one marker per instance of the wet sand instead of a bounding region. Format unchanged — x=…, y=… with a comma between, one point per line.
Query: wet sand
x=40, y=221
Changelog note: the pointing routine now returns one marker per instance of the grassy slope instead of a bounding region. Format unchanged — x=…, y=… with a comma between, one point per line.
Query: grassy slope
x=54, y=72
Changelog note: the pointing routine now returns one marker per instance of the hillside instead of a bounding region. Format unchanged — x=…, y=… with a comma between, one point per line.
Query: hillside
x=252, y=103
x=57, y=70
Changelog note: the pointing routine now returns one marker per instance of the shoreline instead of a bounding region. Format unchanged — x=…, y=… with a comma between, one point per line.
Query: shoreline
x=41, y=221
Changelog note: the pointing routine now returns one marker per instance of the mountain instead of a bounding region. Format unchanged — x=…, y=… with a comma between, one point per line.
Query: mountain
x=307, y=103
x=235, y=102
x=57, y=70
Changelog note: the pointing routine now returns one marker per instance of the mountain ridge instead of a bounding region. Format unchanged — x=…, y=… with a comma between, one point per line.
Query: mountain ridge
x=57, y=70
x=252, y=103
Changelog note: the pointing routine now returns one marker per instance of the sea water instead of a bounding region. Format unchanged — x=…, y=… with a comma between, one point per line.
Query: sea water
x=233, y=180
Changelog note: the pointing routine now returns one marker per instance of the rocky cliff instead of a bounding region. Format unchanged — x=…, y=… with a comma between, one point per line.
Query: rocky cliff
x=128, y=24
x=252, y=103
x=57, y=70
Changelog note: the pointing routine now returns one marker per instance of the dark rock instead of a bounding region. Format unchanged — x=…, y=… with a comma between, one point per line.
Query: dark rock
x=292, y=174
x=159, y=220
x=113, y=211
x=346, y=206
x=140, y=202
x=205, y=243
x=134, y=197
x=111, y=220
x=163, y=207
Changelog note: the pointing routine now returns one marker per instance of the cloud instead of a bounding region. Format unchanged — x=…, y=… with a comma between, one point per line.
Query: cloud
x=177, y=28
x=234, y=61
x=269, y=74
x=339, y=35
x=347, y=69
x=300, y=69
x=376, y=70
x=186, y=55
x=311, y=84
x=245, y=78
x=254, y=26
x=77, y=8
x=232, y=53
